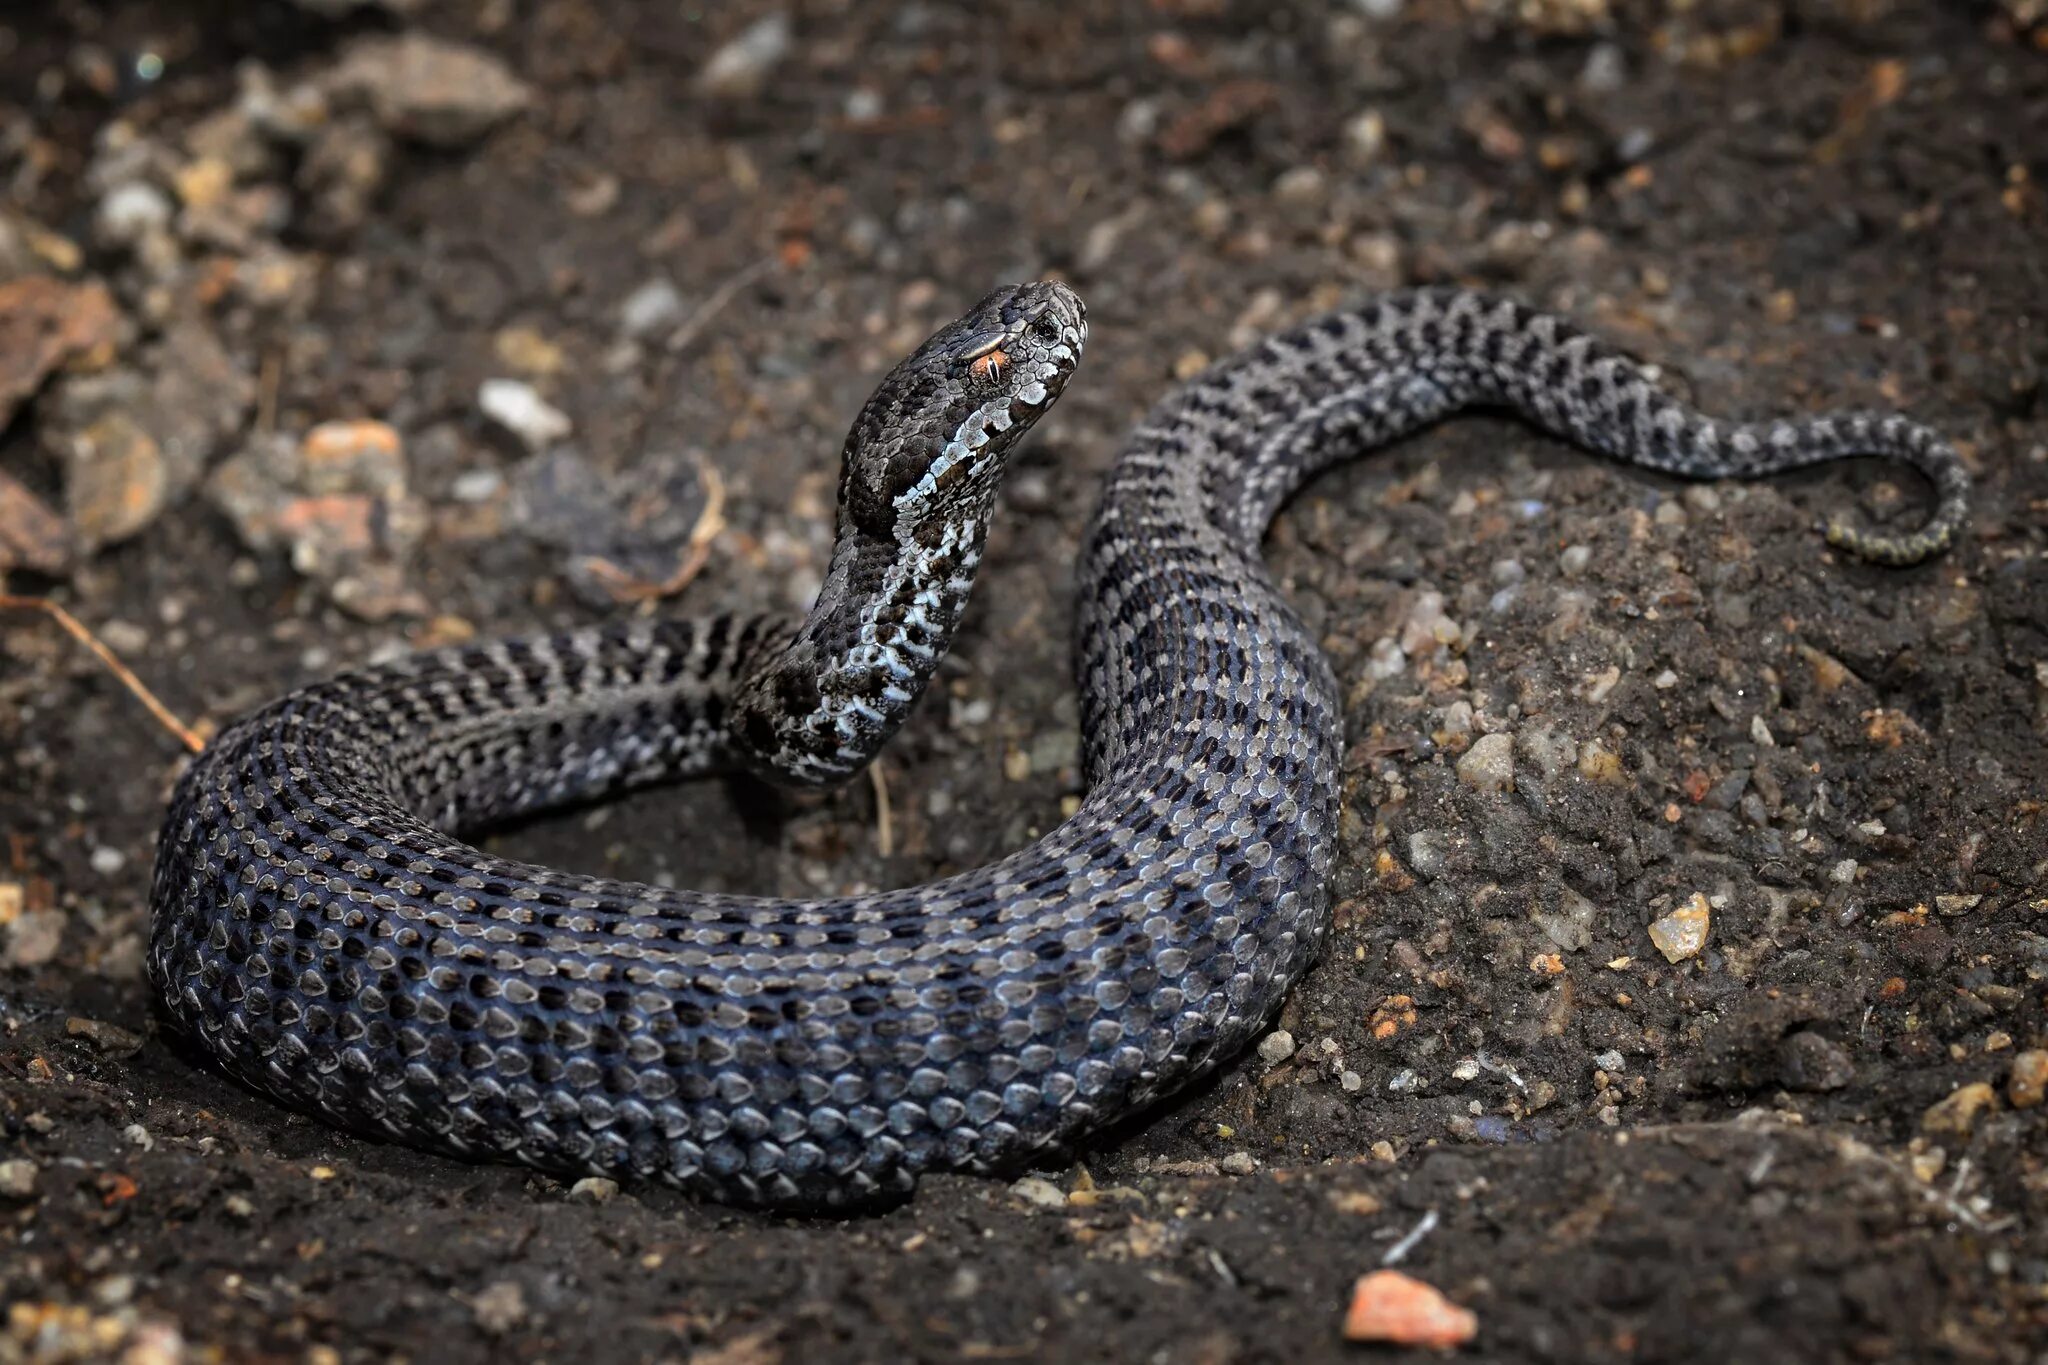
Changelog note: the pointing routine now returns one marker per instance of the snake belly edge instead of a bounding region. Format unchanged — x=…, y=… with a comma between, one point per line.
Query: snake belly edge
x=324, y=934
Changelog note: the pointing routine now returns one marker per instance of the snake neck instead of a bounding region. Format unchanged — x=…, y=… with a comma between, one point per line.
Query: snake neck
x=816, y=710
x=917, y=486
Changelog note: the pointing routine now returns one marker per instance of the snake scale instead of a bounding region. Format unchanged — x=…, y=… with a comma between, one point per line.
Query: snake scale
x=324, y=934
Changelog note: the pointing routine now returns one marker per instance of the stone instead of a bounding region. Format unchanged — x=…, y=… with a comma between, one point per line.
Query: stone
x=1276, y=1047
x=337, y=502
x=1957, y=1115
x=1683, y=933
x=1426, y=626
x=115, y=484
x=651, y=311
x=1395, y=1308
x=1552, y=752
x=740, y=69
x=353, y=457
x=427, y=89
x=1365, y=137
x=594, y=1189
x=1570, y=926
x=1489, y=765
x=108, y=1038
x=2027, y=1086
x=32, y=939
x=18, y=1178
x=46, y=322
x=1427, y=851
x=519, y=409
x=130, y=213
x=499, y=1307
x=1598, y=763
x=1812, y=1062
x=187, y=393
x=1039, y=1192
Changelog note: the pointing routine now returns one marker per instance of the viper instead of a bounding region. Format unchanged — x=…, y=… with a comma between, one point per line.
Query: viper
x=325, y=933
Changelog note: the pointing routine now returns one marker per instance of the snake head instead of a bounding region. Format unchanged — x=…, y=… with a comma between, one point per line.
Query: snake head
x=928, y=447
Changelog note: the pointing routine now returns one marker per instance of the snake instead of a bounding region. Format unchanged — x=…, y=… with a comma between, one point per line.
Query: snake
x=324, y=933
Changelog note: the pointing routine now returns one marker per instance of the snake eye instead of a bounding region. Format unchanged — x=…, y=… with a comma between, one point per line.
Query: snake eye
x=1046, y=328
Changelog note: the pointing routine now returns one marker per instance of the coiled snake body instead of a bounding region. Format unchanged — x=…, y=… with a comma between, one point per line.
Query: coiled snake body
x=330, y=942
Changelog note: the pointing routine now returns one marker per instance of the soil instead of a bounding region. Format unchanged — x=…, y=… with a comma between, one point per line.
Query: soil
x=1817, y=1137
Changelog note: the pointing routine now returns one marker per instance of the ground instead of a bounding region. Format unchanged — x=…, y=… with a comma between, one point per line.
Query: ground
x=1814, y=1133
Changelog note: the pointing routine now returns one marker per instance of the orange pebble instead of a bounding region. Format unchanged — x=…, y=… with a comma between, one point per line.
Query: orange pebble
x=1389, y=1306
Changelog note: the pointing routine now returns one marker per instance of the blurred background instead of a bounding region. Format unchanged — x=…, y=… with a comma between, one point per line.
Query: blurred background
x=338, y=328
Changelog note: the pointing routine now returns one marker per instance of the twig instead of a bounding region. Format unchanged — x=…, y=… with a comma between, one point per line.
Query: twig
x=77, y=631
x=627, y=587
x=269, y=381
x=1398, y=1252
x=716, y=300
x=885, y=827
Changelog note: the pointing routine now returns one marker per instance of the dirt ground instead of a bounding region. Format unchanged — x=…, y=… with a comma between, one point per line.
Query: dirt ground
x=684, y=240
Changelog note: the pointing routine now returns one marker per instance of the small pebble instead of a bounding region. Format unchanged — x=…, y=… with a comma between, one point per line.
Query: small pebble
x=651, y=310
x=131, y=212
x=2028, y=1084
x=1239, y=1163
x=1682, y=933
x=1489, y=765
x=594, y=1189
x=18, y=1178
x=476, y=485
x=1365, y=137
x=110, y=1038
x=1389, y=1306
x=1957, y=1114
x=519, y=409
x=1811, y=1062
x=1426, y=849
x=741, y=68
x=500, y=1307
x=1598, y=763
x=1276, y=1047
x=107, y=861
x=1039, y=1192
x=114, y=1291
x=428, y=89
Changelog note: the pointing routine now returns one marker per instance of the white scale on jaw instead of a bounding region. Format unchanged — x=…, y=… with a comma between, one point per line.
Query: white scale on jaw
x=973, y=433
